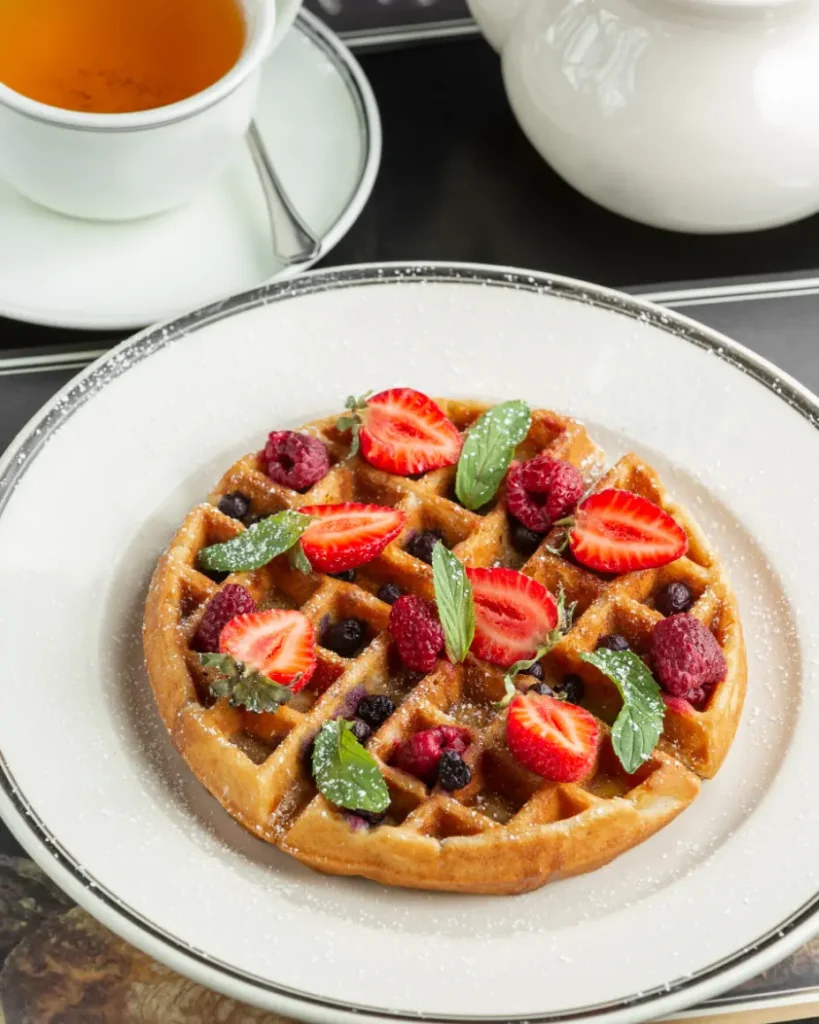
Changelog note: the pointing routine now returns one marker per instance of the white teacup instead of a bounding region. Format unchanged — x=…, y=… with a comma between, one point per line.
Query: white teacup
x=123, y=166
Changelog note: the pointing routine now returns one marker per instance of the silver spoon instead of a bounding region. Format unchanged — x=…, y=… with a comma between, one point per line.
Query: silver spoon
x=293, y=241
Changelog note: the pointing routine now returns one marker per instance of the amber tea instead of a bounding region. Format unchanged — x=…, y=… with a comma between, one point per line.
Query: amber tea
x=117, y=56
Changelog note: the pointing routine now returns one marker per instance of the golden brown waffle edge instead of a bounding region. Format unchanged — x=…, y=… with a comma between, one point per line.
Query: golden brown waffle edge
x=509, y=830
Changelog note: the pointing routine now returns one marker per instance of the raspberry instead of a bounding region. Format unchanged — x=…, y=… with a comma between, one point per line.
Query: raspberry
x=231, y=601
x=542, y=490
x=421, y=753
x=417, y=632
x=295, y=460
x=687, y=659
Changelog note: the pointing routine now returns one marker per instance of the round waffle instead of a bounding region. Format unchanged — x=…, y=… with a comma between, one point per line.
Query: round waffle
x=508, y=830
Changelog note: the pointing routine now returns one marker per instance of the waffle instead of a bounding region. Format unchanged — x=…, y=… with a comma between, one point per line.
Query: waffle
x=508, y=830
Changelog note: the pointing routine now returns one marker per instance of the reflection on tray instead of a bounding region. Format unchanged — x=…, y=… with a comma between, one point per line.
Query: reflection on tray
x=59, y=964
x=361, y=17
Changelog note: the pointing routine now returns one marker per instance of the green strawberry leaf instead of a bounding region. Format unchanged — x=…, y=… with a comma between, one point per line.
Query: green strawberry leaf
x=488, y=450
x=258, y=545
x=243, y=685
x=352, y=420
x=565, y=612
x=640, y=722
x=345, y=773
x=453, y=596
x=515, y=670
x=565, y=615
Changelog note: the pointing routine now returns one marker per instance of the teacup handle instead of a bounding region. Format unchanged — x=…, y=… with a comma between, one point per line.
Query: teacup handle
x=286, y=11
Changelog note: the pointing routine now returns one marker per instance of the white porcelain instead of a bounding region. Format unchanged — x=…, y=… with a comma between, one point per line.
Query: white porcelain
x=126, y=166
x=326, y=145
x=695, y=115
x=286, y=12
x=91, y=785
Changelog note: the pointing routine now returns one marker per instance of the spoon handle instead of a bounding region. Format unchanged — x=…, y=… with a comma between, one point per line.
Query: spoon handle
x=293, y=242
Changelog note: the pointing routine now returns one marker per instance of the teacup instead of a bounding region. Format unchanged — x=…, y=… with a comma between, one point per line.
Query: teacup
x=128, y=165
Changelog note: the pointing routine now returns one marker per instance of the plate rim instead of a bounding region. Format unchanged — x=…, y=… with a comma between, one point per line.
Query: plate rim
x=370, y=130
x=46, y=850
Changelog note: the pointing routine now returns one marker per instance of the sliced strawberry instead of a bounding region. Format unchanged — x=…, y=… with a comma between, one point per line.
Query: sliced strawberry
x=349, y=535
x=404, y=432
x=279, y=644
x=551, y=737
x=617, y=531
x=514, y=615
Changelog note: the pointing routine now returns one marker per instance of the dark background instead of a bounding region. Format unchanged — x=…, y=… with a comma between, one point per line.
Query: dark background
x=459, y=181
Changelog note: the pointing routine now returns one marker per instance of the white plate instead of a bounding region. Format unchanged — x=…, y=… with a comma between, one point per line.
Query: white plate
x=320, y=122
x=94, y=488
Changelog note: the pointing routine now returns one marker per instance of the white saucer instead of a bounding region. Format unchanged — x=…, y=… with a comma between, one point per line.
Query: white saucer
x=320, y=121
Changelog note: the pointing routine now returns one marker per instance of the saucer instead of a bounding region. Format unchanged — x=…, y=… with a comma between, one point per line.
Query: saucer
x=319, y=119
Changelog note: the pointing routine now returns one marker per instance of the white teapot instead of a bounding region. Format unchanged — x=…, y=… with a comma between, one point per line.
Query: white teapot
x=696, y=115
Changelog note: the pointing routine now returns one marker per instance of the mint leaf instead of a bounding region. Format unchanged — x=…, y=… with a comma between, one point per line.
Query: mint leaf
x=453, y=596
x=257, y=546
x=243, y=685
x=352, y=420
x=640, y=722
x=299, y=560
x=488, y=450
x=345, y=773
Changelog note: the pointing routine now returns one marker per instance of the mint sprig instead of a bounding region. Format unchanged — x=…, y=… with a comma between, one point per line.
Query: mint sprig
x=299, y=560
x=244, y=686
x=456, y=607
x=640, y=722
x=488, y=450
x=258, y=545
x=352, y=419
x=565, y=615
x=345, y=773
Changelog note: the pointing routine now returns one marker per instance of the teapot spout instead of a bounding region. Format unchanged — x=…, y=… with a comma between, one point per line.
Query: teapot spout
x=496, y=17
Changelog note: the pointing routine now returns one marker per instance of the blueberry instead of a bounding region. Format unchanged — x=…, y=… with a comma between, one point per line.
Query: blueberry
x=255, y=517
x=543, y=689
x=613, y=642
x=236, y=505
x=214, y=575
x=361, y=730
x=348, y=576
x=535, y=670
x=571, y=689
x=453, y=771
x=524, y=540
x=371, y=817
x=389, y=593
x=374, y=711
x=345, y=637
x=422, y=544
x=674, y=599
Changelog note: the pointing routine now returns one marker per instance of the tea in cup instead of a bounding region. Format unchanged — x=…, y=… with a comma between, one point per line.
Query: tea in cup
x=117, y=109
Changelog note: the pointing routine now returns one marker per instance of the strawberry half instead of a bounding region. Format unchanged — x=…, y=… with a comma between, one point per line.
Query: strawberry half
x=617, y=531
x=404, y=432
x=348, y=535
x=279, y=644
x=552, y=738
x=514, y=615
